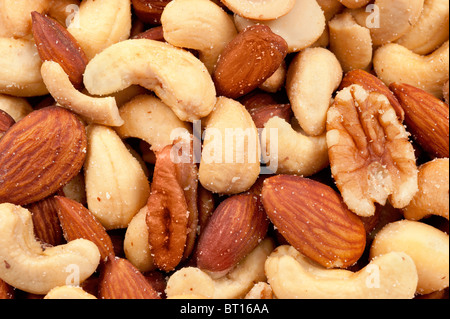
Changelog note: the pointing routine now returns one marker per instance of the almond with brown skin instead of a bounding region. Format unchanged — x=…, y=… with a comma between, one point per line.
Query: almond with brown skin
x=55, y=43
x=6, y=121
x=313, y=218
x=261, y=115
x=233, y=231
x=40, y=154
x=149, y=11
x=78, y=222
x=426, y=117
x=248, y=60
x=121, y=280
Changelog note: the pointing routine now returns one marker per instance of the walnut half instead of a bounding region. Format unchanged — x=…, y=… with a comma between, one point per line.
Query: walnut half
x=371, y=157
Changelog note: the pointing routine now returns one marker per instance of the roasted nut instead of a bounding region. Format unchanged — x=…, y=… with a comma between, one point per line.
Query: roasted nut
x=27, y=266
x=370, y=155
x=149, y=11
x=68, y=292
x=6, y=121
x=184, y=84
x=432, y=197
x=445, y=92
x=200, y=25
x=426, y=245
x=16, y=107
x=260, y=9
x=301, y=27
x=262, y=114
x=292, y=275
x=116, y=185
x=353, y=4
x=260, y=290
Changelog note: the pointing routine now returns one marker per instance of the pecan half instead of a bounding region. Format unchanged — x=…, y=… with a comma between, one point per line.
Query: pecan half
x=370, y=154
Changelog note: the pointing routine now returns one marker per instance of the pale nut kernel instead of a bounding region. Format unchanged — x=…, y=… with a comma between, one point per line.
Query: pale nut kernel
x=426, y=245
x=432, y=29
x=200, y=25
x=16, y=107
x=116, y=185
x=68, y=292
x=313, y=76
x=330, y=8
x=301, y=27
x=350, y=42
x=354, y=4
x=293, y=276
x=260, y=290
x=432, y=197
x=371, y=157
x=260, y=9
x=291, y=151
x=184, y=84
x=393, y=63
x=96, y=32
x=230, y=162
x=26, y=266
x=99, y=110
x=22, y=55
x=276, y=81
x=142, y=119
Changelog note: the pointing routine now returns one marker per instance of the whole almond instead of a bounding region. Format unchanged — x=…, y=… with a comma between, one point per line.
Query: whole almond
x=233, y=231
x=248, y=60
x=313, y=219
x=55, y=43
x=426, y=117
x=40, y=154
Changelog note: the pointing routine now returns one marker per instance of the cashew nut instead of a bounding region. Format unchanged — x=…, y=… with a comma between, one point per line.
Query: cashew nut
x=68, y=292
x=20, y=73
x=426, y=245
x=16, y=107
x=94, y=31
x=230, y=162
x=260, y=9
x=330, y=8
x=293, y=276
x=99, y=110
x=26, y=266
x=353, y=4
x=313, y=76
x=178, y=78
x=198, y=24
x=142, y=116
x=350, y=42
x=395, y=63
x=291, y=151
x=301, y=27
x=432, y=197
x=116, y=185
x=431, y=31
x=276, y=81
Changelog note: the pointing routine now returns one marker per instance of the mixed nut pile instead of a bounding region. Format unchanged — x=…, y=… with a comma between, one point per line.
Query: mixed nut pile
x=258, y=149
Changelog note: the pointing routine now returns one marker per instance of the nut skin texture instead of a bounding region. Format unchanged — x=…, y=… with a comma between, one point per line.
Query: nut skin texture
x=248, y=60
x=40, y=154
x=313, y=218
x=55, y=43
x=233, y=231
x=6, y=121
x=426, y=117
x=149, y=11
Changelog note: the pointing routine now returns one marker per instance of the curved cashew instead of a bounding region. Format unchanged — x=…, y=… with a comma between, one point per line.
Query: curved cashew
x=292, y=151
x=16, y=107
x=236, y=284
x=198, y=24
x=427, y=246
x=230, y=162
x=313, y=76
x=390, y=20
x=431, y=31
x=68, y=292
x=432, y=197
x=116, y=185
x=350, y=42
x=26, y=266
x=395, y=63
x=301, y=27
x=99, y=110
x=143, y=119
x=20, y=73
x=95, y=32
x=260, y=9
x=292, y=275
x=178, y=78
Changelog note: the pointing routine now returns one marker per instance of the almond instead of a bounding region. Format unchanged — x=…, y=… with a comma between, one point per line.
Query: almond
x=313, y=219
x=149, y=11
x=426, y=117
x=121, y=280
x=78, y=222
x=372, y=84
x=40, y=154
x=233, y=231
x=248, y=60
x=55, y=43
x=6, y=121
x=261, y=115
